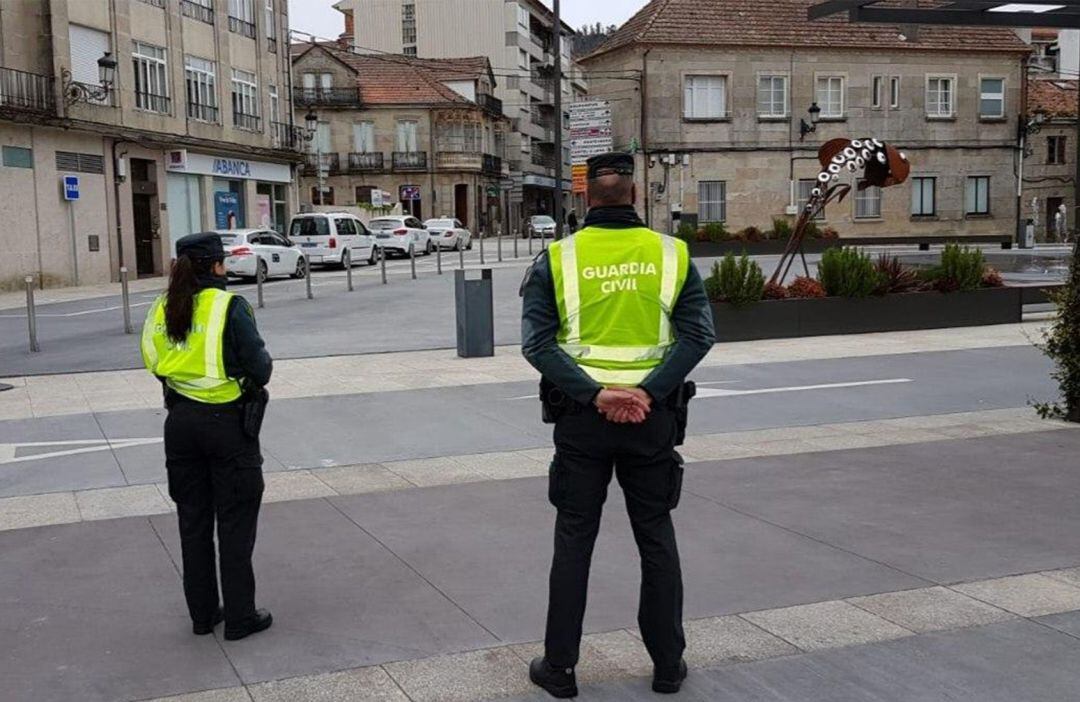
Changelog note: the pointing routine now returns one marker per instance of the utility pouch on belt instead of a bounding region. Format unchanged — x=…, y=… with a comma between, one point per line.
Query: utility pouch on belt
x=681, y=405
x=553, y=402
x=254, y=409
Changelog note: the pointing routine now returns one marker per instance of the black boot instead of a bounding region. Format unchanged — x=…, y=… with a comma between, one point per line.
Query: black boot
x=260, y=621
x=558, y=682
x=204, y=628
x=668, y=682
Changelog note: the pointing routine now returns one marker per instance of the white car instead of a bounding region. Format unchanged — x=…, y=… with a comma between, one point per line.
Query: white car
x=449, y=234
x=249, y=249
x=541, y=226
x=401, y=234
x=333, y=239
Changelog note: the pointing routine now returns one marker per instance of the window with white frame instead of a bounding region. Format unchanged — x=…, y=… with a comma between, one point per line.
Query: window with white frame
x=87, y=46
x=275, y=103
x=1055, y=150
x=805, y=187
x=151, y=77
x=992, y=98
x=923, y=197
x=523, y=16
x=772, y=96
x=407, y=136
x=829, y=95
x=242, y=17
x=459, y=137
x=705, y=97
x=939, y=96
x=364, y=137
x=868, y=203
x=245, y=100
x=977, y=195
x=202, y=99
x=877, y=92
x=712, y=201
x=269, y=24
x=408, y=23
x=894, y=92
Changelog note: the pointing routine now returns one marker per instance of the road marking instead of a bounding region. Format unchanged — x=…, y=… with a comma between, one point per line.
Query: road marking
x=7, y=451
x=704, y=393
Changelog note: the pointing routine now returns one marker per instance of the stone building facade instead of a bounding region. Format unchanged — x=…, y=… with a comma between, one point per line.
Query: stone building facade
x=196, y=127
x=1050, y=158
x=727, y=85
x=426, y=131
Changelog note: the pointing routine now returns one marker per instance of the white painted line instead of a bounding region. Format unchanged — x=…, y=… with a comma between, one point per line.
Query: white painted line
x=7, y=451
x=704, y=393
x=97, y=310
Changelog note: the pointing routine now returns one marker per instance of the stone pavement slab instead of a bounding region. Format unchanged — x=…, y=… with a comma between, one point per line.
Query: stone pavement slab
x=361, y=685
x=967, y=509
x=340, y=599
x=1068, y=622
x=826, y=625
x=1030, y=595
x=931, y=609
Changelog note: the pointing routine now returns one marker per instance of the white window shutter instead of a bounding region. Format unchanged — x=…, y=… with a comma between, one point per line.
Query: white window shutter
x=87, y=46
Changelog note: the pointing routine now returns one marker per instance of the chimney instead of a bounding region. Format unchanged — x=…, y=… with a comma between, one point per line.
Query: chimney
x=350, y=26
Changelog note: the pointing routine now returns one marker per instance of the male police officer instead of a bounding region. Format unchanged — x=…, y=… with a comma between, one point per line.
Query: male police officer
x=615, y=318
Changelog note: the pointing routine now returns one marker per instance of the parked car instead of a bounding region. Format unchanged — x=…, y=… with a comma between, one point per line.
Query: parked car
x=541, y=226
x=449, y=234
x=248, y=249
x=333, y=239
x=400, y=234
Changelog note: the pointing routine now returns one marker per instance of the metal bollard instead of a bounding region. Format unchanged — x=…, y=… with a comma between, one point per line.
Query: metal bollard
x=461, y=258
x=481, y=248
x=348, y=276
x=259, y=279
x=382, y=264
x=412, y=261
x=530, y=244
x=307, y=277
x=543, y=243
x=31, y=314
x=498, y=245
x=126, y=297
x=438, y=257
x=515, y=235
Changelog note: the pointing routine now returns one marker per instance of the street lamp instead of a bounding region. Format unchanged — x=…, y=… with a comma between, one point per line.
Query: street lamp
x=75, y=91
x=804, y=128
x=311, y=121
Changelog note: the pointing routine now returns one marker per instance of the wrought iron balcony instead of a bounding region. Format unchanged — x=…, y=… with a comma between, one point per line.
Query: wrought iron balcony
x=493, y=165
x=197, y=11
x=24, y=91
x=546, y=160
x=202, y=113
x=490, y=103
x=242, y=27
x=410, y=160
x=369, y=162
x=287, y=136
x=242, y=120
x=331, y=164
x=326, y=96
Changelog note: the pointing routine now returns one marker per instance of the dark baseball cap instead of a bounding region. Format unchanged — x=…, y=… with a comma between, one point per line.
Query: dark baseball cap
x=610, y=164
x=204, y=246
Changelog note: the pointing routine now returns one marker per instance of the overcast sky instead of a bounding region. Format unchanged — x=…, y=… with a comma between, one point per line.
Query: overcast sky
x=319, y=18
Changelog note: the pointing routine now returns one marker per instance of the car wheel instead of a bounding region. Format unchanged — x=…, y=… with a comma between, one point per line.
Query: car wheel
x=468, y=247
x=374, y=257
x=301, y=269
x=429, y=248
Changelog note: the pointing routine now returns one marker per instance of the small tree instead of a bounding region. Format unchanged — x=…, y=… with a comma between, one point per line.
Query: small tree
x=736, y=281
x=1061, y=342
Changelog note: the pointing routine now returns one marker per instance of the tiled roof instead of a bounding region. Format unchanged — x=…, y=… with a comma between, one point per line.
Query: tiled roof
x=391, y=79
x=785, y=23
x=1057, y=98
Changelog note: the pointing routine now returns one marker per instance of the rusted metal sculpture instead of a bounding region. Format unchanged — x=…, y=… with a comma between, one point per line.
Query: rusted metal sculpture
x=881, y=165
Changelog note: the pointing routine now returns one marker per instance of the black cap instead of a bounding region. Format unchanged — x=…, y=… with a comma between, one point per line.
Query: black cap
x=205, y=246
x=610, y=164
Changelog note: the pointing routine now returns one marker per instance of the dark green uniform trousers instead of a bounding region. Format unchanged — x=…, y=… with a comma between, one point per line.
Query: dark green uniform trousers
x=588, y=449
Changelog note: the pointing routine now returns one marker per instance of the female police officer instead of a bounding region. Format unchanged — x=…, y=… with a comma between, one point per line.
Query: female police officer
x=201, y=342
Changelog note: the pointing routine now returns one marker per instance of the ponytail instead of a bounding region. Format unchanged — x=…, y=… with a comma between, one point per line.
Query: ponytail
x=180, y=298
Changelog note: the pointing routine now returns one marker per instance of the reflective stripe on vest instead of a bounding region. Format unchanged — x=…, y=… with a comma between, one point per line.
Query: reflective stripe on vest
x=194, y=368
x=616, y=289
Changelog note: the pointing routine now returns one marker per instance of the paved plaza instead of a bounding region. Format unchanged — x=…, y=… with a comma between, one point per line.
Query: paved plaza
x=877, y=517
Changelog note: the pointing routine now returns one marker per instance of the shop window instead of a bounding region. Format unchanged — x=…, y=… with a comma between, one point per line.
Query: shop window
x=363, y=194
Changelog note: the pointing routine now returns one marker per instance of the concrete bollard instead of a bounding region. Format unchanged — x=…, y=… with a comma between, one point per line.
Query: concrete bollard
x=31, y=314
x=307, y=277
x=125, y=295
x=259, y=280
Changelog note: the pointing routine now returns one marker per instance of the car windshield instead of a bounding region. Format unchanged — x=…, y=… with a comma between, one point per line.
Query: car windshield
x=384, y=224
x=309, y=226
x=229, y=239
x=543, y=221
x=440, y=223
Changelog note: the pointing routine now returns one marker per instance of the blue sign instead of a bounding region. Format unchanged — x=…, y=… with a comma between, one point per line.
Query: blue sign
x=227, y=213
x=71, y=188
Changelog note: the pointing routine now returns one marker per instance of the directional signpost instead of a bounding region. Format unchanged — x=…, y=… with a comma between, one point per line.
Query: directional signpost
x=590, y=135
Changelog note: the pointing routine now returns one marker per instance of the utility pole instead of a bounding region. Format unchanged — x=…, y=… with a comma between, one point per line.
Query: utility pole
x=558, y=124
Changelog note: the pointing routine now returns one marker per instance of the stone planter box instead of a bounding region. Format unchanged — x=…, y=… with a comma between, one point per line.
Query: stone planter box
x=777, y=319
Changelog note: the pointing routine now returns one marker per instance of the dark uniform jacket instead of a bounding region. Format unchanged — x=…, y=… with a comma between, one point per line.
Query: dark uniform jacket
x=691, y=319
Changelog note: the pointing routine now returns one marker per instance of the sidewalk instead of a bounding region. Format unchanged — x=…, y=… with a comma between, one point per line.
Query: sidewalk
x=849, y=563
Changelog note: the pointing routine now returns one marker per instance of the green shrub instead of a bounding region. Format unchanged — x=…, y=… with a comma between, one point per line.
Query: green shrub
x=781, y=228
x=1061, y=343
x=750, y=234
x=735, y=281
x=687, y=232
x=848, y=272
x=716, y=232
x=811, y=230
x=960, y=268
x=893, y=277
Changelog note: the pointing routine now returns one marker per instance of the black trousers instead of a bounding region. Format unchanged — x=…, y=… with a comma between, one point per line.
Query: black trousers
x=215, y=475
x=587, y=449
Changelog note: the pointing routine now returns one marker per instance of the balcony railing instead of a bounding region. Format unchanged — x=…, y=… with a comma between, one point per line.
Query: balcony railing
x=197, y=11
x=369, y=162
x=326, y=96
x=493, y=165
x=490, y=103
x=91, y=94
x=287, y=136
x=540, y=119
x=410, y=160
x=252, y=123
x=540, y=158
x=152, y=102
x=20, y=90
x=202, y=113
x=331, y=163
x=459, y=160
x=239, y=26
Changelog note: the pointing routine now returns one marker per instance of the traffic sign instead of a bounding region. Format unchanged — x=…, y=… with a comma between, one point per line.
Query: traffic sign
x=71, y=187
